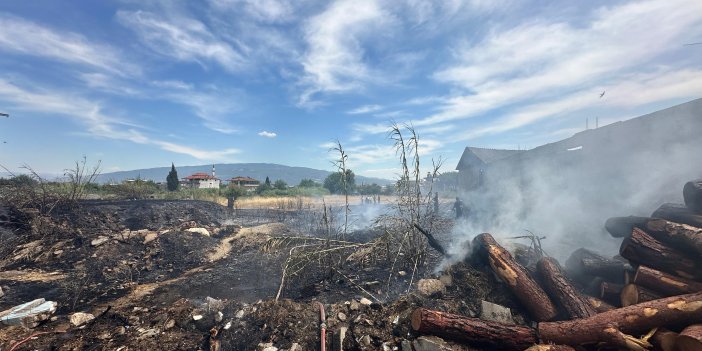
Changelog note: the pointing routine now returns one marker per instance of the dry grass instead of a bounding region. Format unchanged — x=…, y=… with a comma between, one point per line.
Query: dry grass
x=298, y=202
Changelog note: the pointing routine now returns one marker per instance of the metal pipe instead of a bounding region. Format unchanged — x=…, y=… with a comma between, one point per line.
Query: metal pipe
x=322, y=328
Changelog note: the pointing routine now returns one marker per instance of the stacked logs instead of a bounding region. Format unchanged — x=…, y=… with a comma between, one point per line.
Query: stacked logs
x=649, y=296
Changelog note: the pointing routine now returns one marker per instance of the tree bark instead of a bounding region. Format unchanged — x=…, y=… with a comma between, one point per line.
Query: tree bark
x=680, y=236
x=644, y=249
x=690, y=339
x=583, y=262
x=599, y=305
x=621, y=227
x=550, y=347
x=664, y=283
x=527, y=291
x=473, y=330
x=633, y=320
x=633, y=294
x=664, y=340
x=678, y=214
x=560, y=289
x=692, y=193
x=611, y=292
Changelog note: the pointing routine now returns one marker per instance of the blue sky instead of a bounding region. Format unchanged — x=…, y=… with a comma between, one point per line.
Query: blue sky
x=141, y=84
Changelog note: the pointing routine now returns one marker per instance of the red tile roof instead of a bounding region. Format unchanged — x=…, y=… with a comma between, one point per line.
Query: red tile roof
x=199, y=176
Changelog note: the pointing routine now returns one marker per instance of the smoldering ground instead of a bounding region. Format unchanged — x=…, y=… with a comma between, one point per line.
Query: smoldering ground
x=567, y=194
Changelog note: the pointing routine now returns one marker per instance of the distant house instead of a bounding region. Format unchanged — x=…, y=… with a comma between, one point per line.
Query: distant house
x=244, y=182
x=475, y=162
x=202, y=180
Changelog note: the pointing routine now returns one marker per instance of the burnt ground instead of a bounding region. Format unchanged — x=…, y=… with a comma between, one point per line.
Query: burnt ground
x=145, y=268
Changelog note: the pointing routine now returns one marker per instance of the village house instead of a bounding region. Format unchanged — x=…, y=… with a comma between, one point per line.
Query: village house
x=202, y=180
x=248, y=183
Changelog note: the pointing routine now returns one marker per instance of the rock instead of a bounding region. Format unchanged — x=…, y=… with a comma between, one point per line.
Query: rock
x=147, y=333
x=169, y=324
x=495, y=313
x=79, y=318
x=430, y=287
x=430, y=343
x=239, y=314
x=364, y=301
x=341, y=316
x=201, y=231
x=99, y=241
x=365, y=340
x=295, y=347
x=197, y=317
x=406, y=345
x=58, y=252
x=354, y=305
x=1, y=292
x=120, y=330
x=219, y=316
x=29, y=314
x=402, y=273
x=268, y=346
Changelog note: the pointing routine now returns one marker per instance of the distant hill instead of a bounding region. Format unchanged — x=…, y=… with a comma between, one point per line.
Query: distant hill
x=291, y=175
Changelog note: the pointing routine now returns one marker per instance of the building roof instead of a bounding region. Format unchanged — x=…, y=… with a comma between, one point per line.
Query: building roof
x=243, y=179
x=200, y=176
x=477, y=156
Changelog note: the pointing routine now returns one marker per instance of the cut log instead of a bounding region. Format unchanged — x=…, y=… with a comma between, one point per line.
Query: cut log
x=599, y=305
x=583, y=262
x=692, y=193
x=644, y=249
x=680, y=236
x=549, y=347
x=678, y=214
x=611, y=292
x=664, y=283
x=621, y=227
x=664, y=340
x=473, y=330
x=633, y=294
x=690, y=339
x=633, y=320
x=560, y=289
x=527, y=291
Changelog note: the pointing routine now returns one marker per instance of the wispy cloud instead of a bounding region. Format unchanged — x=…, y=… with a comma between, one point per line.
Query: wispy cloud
x=92, y=116
x=334, y=60
x=28, y=38
x=267, y=134
x=364, y=109
x=183, y=39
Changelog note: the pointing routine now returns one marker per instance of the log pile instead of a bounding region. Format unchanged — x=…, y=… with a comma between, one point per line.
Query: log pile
x=647, y=297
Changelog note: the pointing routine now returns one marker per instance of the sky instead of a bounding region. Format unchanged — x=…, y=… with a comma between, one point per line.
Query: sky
x=141, y=83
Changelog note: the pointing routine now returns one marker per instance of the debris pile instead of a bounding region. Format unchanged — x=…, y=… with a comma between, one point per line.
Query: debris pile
x=650, y=295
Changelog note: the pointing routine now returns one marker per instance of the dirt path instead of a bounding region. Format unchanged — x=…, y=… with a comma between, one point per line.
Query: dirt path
x=31, y=276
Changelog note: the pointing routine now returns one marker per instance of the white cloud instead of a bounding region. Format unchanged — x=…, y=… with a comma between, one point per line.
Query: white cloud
x=29, y=38
x=98, y=123
x=364, y=109
x=269, y=11
x=544, y=60
x=267, y=134
x=334, y=60
x=182, y=38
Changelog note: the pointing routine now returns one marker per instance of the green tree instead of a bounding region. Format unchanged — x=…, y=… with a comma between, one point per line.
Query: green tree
x=267, y=182
x=308, y=183
x=335, y=182
x=172, y=179
x=280, y=184
x=370, y=189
